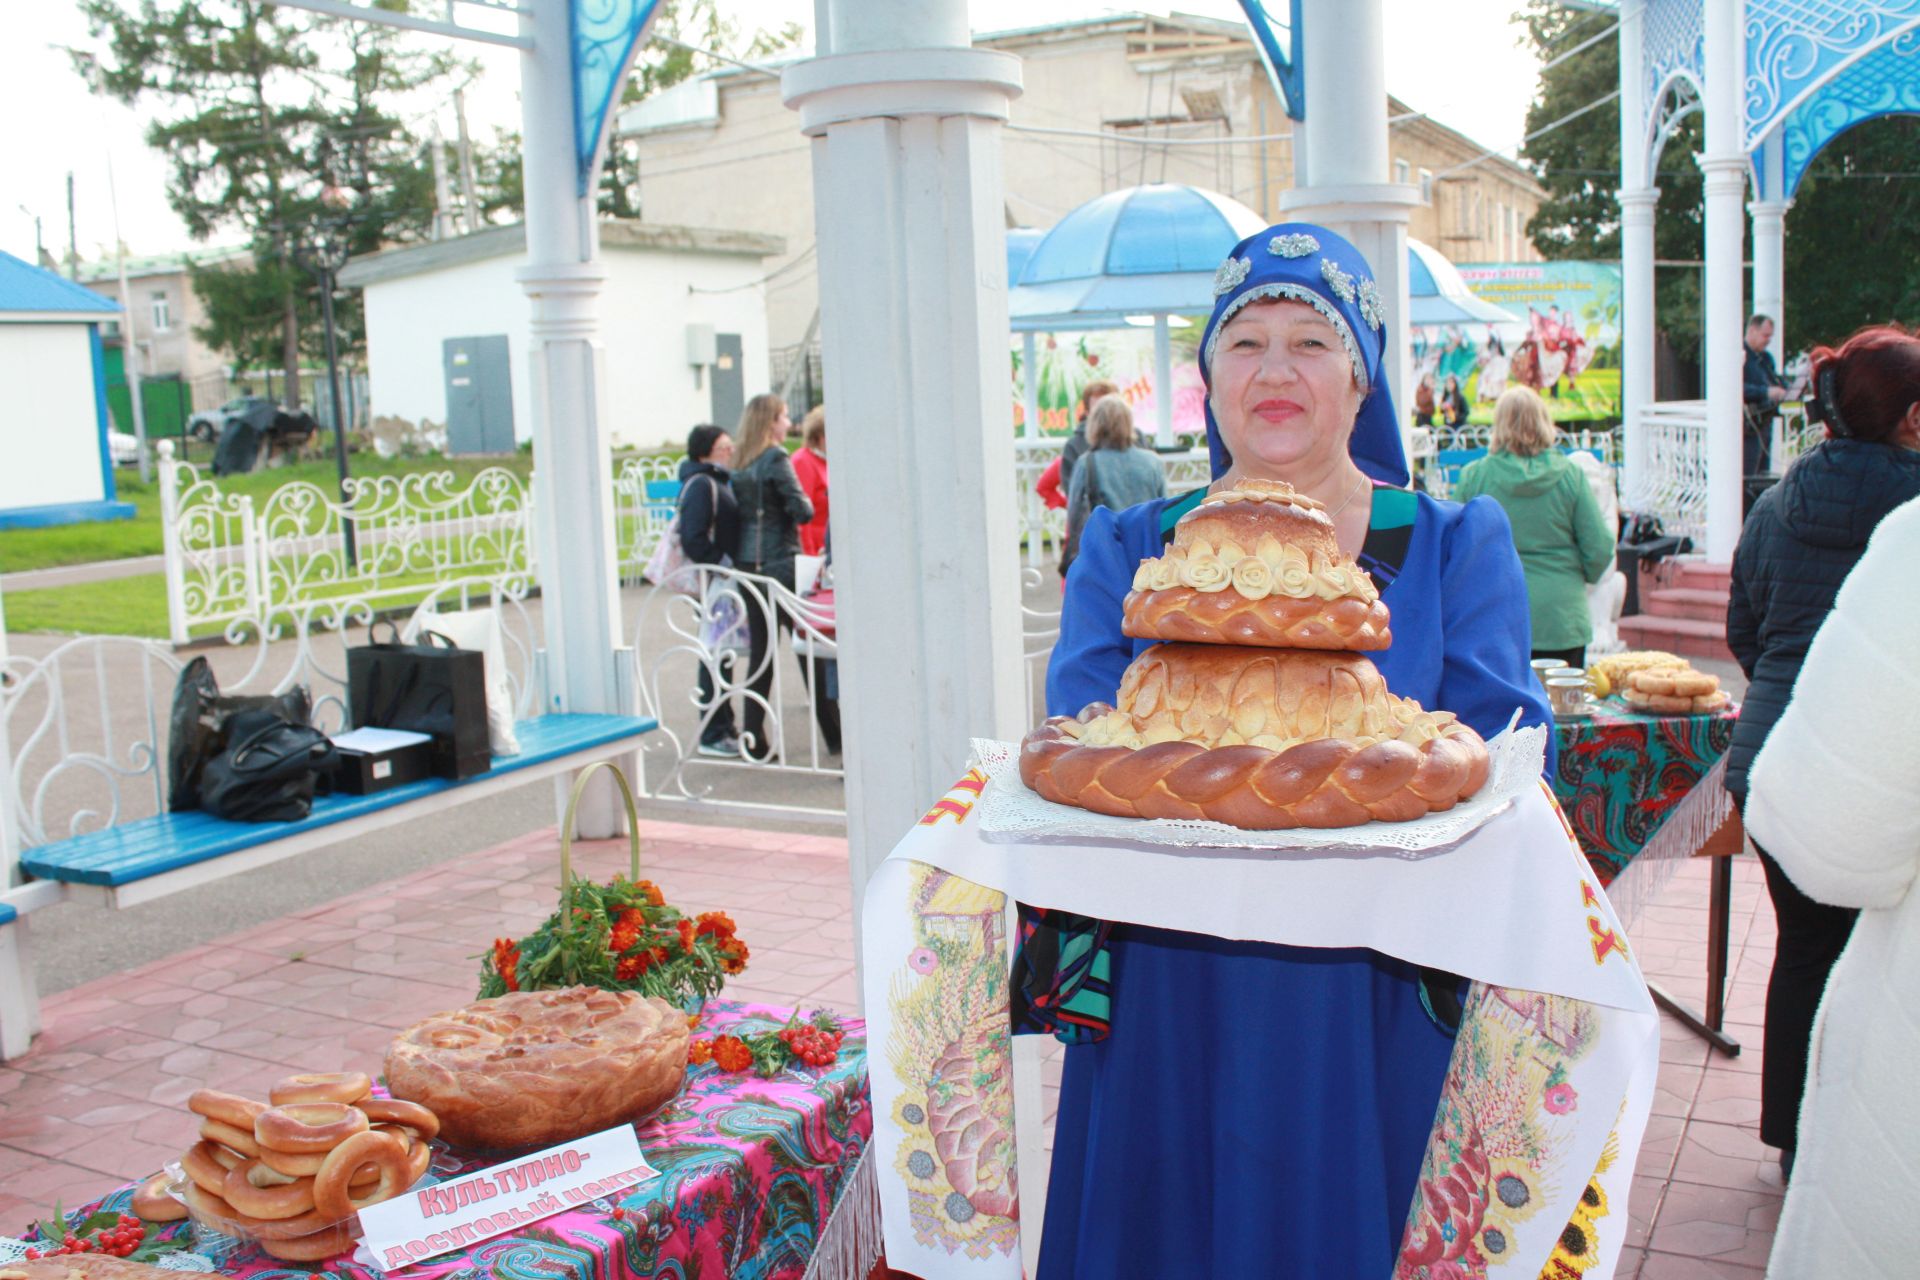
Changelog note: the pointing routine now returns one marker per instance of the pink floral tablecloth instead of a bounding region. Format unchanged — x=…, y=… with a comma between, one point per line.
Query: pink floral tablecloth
x=751, y=1172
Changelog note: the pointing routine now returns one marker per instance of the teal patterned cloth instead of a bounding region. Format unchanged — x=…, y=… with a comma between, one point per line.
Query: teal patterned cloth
x=1621, y=773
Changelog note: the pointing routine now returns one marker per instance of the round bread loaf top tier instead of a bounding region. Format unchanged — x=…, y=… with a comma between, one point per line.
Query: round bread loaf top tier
x=1259, y=565
x=531, y=1068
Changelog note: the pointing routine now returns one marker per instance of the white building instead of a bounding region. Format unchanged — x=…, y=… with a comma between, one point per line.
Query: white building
x=54, y=432
x=683, y=317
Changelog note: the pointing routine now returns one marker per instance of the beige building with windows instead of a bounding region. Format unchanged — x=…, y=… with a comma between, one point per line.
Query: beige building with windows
x=165, y=311
x=1109, y=102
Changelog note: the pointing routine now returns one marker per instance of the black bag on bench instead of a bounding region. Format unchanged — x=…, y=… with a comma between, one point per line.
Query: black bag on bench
x=431, y=688
x=198, y=727
x=268, y=771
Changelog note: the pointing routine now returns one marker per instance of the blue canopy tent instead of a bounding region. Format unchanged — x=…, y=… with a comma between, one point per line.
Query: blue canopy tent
x=1135, y=256
x=1438, y=296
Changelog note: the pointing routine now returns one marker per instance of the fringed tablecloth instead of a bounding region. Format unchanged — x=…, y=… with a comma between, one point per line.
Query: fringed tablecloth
x=758, y=1178
x=1621, y=775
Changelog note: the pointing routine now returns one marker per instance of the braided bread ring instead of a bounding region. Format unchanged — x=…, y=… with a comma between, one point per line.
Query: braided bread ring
x=1327, y=783
x=1274, y=622
x=332, y=1193
x=347, y=1087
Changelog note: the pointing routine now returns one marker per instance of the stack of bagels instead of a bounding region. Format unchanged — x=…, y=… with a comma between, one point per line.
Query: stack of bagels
x=1260, y=710
x=292, y=1172
x=1675, y=689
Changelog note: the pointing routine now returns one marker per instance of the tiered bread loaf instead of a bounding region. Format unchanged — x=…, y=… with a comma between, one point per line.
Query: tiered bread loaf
x=1257, y=565
x=1271, y=723
x=532, y=1068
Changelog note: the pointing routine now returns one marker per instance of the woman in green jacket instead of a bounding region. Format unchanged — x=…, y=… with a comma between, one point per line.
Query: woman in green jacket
x=1563, y=540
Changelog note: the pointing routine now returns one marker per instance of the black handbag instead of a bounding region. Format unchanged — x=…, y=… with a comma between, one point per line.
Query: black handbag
x=431, y=688
x=268, y=771
x=198, y=726
x=1070, y=547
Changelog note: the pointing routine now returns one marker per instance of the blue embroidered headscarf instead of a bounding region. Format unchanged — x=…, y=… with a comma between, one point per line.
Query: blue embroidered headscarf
x=1310, y=264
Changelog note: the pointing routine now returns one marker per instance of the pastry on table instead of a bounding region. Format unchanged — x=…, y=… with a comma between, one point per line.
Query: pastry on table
x=1258, y=738
x=1674, y=689
x=1257, y=565
x=84, y=1266
x=532, y=1068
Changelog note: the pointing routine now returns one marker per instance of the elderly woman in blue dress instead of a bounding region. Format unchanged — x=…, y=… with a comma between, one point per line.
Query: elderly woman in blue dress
x=1237, y=1108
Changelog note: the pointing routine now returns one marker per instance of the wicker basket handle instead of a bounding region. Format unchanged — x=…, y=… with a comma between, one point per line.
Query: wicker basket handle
x=566, y=834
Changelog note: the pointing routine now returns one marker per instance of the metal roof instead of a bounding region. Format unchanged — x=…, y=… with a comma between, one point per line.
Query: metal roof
x=25, y=288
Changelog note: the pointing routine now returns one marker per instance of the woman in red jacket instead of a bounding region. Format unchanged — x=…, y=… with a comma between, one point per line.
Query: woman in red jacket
x=810, y=464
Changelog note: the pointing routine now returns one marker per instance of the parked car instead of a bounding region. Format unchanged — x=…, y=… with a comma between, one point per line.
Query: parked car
x=206, y=425
x=124, y=449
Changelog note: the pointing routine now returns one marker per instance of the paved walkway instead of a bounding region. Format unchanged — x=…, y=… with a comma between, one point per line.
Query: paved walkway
x=99, y=1100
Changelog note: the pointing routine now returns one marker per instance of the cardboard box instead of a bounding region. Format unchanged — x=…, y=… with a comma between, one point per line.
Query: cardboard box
x=373, y=760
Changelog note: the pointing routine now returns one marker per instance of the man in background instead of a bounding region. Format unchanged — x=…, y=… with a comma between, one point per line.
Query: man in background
x=1764, y=390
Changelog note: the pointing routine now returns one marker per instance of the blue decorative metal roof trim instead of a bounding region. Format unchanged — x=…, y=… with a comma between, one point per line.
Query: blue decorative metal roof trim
x=1794, y=48
x=1284, y=67
x=605, y=34
x=25, y=287
x=1883, y=83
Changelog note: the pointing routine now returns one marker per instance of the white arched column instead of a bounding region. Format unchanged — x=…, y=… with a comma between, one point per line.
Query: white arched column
x=572, y=442
x=1724, y=225
x=1769, y=270
x=1340, y=162
x=1639, y=198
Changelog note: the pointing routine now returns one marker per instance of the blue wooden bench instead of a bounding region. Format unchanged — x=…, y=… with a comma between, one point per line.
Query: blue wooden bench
x=150, y=858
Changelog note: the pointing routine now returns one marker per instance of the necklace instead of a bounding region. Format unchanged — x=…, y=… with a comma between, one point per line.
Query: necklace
x=1349, y=499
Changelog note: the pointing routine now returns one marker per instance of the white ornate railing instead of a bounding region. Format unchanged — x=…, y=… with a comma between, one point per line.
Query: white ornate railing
x=1438, y=476
x=1042, y=530
x=235, y=567
x=1674, y=443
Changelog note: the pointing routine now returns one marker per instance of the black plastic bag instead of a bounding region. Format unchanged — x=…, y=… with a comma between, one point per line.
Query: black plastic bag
x=268, y=771
x=198, y=726
x=431, y=688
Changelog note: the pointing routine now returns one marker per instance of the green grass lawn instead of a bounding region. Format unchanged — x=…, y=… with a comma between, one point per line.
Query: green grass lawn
x=23, y=549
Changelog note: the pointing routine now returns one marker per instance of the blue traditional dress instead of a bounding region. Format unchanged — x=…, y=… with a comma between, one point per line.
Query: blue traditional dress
x=1256, y=1109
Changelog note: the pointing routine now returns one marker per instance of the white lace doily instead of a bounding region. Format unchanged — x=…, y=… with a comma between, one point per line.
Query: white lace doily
x=1010, y=812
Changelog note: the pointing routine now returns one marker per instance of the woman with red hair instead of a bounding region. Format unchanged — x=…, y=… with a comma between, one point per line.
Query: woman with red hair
x=1801, y=540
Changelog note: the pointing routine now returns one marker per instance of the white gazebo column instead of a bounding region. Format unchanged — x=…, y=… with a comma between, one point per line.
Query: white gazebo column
x=1769, y=269
x=1724, y=231
x=1636, y=334
x=1341, y=162
x=1639, y=198
x=1029, y=385
x=573, y=472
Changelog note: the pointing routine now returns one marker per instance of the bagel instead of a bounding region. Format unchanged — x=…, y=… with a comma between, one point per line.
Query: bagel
x=227, y=1108
x=1665, y=704
x=303, y=1128
x=1715, y=701
x=1675, y=682
x=205, y=1164
x=154, y=1203
x=209, y=1208
x=332, y=1193
x=329, y=1243
x=345, y=1087
x=258, y=1192
x=295, y=1228
x=224, y=1134
x=292, y=1165
x=411, y=1114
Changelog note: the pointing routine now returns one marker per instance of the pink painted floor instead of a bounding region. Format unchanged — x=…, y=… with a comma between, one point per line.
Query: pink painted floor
x=99, y=1099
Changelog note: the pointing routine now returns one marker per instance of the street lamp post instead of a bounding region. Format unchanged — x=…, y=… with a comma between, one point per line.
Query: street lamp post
x=323, y=253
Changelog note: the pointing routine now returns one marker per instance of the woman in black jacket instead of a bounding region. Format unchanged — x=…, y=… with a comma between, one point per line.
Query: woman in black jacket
x=708, y=518
x=772, y=508
x=1799, y=544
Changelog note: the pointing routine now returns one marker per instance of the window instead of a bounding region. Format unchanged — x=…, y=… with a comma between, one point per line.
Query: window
x=1426, y=186
x=162, y=312
x=1400, y=172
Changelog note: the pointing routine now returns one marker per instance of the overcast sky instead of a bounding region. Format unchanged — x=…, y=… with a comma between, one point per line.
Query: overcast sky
x=1459, y=62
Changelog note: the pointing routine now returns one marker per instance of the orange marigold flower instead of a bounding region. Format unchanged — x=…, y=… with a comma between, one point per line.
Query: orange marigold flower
x=630, y=967
x=718, y=923
x=506, y=959
x=654, y=897
x=733, y=955
x=699, y=1051
x=687, y=934
x=730, y=1053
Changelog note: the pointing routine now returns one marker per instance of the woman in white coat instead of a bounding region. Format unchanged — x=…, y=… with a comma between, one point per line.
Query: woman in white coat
x=1835, y=797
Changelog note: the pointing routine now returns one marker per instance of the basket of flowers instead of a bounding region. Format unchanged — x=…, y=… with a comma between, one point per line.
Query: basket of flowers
x=619, y=936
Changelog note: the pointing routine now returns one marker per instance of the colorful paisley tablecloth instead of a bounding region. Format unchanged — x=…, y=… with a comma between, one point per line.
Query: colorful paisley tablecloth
x=752, y=1174
x=1621, y=774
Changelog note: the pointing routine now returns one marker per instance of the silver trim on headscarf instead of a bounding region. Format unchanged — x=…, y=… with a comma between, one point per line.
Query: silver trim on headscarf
x=1295, y=244
x=1295, y=293
x=1230, y=274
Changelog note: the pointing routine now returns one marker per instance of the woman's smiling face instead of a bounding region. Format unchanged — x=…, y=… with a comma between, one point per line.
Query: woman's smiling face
x=1283, y=390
